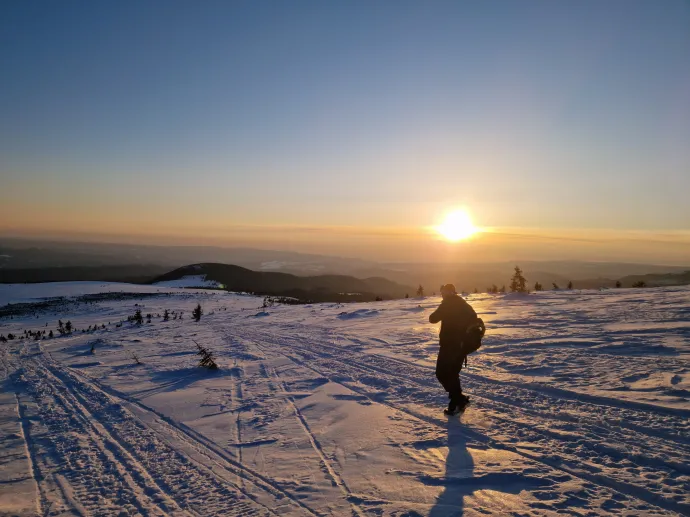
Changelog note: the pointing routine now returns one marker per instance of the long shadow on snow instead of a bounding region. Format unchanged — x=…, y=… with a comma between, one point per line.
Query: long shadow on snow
x=172, y=380
x=460, y=479
x=459, y=467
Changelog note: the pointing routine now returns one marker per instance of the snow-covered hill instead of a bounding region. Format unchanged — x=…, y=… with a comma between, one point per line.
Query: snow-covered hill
x=581, y=406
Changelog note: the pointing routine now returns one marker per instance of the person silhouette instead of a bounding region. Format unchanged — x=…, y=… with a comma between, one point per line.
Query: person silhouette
x=456, y=316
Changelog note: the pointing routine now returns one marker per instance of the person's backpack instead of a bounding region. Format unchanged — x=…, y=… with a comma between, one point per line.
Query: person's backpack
x=473, y=338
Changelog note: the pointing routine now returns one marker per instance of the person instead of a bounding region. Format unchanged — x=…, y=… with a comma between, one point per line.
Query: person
x=456, y=316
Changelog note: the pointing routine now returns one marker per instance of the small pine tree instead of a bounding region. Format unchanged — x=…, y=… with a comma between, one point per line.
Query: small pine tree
x=3, y=339
x=135, y=358
x=618, y=284
x=570, y=285
x=502, y=289
x=138, y=318
x=68, y=327
x=518, y=284
x=555, y=286
x=538, y=287
x=50, y=334
x=206, y=360
x=166, y=315
x=407, y=295
x=640, y=283
x=476, y=291
x=197, y=312
x=420, y=291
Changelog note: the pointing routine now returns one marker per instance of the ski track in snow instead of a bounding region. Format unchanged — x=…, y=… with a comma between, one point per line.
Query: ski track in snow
x=128, y=465
x=102, y=439
x=561, y=434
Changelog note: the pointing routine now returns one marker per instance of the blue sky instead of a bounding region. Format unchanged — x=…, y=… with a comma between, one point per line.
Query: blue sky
x=532, y=114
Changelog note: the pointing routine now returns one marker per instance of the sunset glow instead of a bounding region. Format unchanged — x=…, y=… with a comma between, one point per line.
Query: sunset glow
x=457, y=226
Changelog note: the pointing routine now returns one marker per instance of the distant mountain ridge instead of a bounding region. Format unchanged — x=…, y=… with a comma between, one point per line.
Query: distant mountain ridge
x=27, y=260
x=658, y=280
x=132, y=273
x=315, y=288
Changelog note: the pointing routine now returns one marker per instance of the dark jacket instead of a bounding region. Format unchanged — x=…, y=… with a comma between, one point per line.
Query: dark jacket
x=455, y=315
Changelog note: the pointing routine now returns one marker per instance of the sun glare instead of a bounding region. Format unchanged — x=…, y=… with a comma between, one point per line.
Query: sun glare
x=457, y=226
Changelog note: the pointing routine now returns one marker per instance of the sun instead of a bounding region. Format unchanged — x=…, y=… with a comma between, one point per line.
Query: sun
x=457, y=226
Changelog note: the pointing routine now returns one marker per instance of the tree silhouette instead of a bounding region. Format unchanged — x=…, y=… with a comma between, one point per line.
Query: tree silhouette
x=538, y=287
x=420, y=290
x=518, y=284
x=618, y=284
x=570, y=285
x=197, y=312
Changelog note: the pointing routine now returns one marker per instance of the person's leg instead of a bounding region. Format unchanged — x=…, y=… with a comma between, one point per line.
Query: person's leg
x=442, y=369
x=447, y=370
x=456, y=396
x=462, y=398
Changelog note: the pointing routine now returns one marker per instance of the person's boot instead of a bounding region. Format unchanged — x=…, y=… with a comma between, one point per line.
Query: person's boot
x=463, y=401
x=450, y=410
x=457, y=403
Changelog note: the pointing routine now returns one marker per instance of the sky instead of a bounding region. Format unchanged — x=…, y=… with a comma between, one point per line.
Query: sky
x=350, y=127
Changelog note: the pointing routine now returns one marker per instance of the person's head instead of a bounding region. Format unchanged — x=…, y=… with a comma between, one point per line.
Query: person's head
x=448, y=290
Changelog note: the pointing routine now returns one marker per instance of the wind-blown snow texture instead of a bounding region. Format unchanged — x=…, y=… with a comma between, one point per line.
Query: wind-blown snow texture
x=580, y=406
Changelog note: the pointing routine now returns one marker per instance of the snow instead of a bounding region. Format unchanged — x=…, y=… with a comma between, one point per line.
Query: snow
x=191, y=281
x=23, y=293
x=580, y=406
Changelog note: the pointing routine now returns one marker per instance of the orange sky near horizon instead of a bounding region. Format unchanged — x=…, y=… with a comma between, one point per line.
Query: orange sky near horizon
x=379, y=243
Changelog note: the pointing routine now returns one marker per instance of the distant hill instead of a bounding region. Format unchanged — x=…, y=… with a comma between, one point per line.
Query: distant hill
x=134, y=273
x=35, y=260
x=25, y=254
x=315, y=288
x=658, y=280
x=466, y=277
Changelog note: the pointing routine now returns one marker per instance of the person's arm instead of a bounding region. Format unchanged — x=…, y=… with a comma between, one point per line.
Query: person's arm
x=437, y=315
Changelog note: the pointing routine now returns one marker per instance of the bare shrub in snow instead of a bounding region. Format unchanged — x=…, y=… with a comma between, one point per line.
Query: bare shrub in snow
x=134, y=357
x=206, y=360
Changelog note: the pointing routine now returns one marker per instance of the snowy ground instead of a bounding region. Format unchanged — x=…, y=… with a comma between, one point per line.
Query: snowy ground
x=581, y=405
